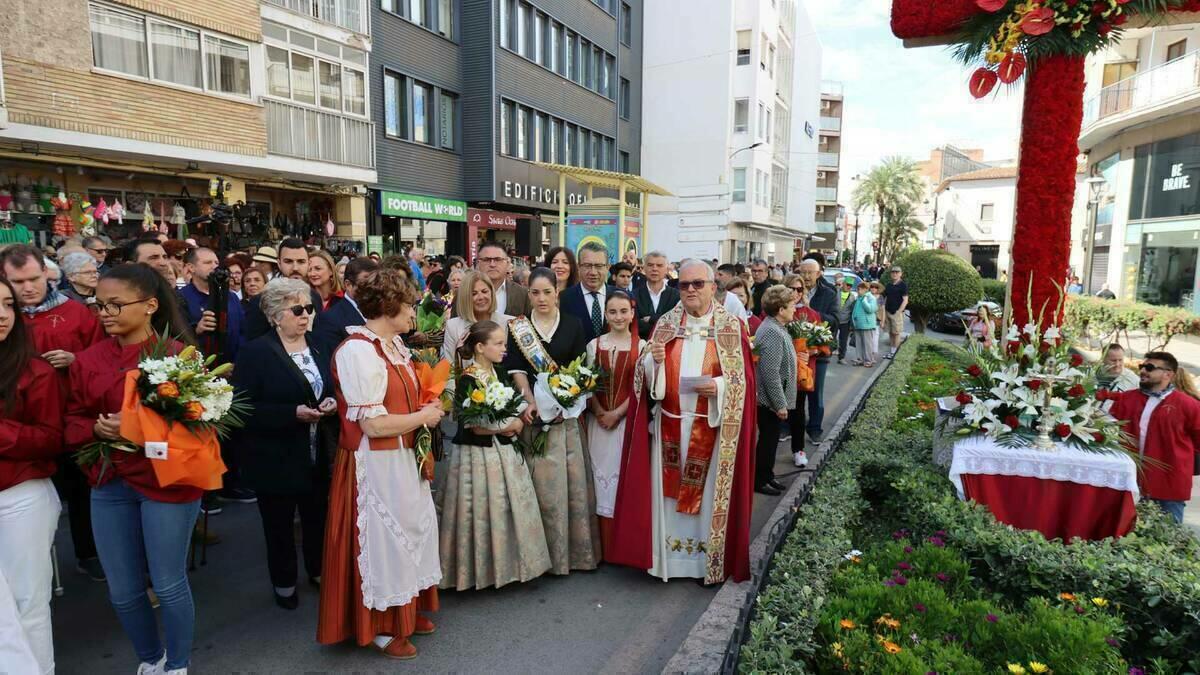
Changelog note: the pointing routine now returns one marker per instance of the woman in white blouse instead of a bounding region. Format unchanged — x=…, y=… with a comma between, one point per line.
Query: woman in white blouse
x=474, y=301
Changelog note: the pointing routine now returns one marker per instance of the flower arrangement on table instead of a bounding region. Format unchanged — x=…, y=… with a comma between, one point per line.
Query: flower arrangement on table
x=488, y=403
x=1030, y=390
x=1010, y=35
x=562, y=392
x=175, y=409
x=433, y=374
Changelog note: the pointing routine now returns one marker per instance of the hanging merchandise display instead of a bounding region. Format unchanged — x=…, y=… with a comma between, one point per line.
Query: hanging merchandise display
x=330, y=228
x=6, y=198
x=62, y=213
x=116, y=212
x=147, y=217
x=101, y=213
x=24, y=196
x=45, y=195
x=87, y=221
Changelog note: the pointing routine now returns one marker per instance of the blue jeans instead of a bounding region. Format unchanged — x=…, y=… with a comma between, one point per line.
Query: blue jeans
x=816, y=398
x=1173, y=509
x=133, y=533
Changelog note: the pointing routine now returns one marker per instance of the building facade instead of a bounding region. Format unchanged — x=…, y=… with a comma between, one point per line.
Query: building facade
x=826, y=236
x=143, y=102
x=472, y=96
x=721, y=126
x=1141, y=133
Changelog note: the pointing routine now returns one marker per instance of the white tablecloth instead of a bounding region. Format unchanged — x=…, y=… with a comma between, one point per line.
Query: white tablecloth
x=983, y=455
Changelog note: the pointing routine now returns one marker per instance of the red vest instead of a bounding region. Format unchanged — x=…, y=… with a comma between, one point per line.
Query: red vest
x=400, y=399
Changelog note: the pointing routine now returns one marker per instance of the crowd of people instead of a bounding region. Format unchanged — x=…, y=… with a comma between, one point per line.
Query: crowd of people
x=702, y=386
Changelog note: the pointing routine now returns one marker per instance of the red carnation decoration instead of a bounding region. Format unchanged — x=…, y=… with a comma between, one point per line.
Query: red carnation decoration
x=1099, y=8
x=1035, y=384
x=974, y=370
x=1038, y=22
x=963, y=397
x=1063, y=430
x=1104, y=29
x=1076, y=360
x=1013, y=421
x=991, y=5
x=1012, y=67
x=983, y=81
x=1076, y=391
x=1099, y=437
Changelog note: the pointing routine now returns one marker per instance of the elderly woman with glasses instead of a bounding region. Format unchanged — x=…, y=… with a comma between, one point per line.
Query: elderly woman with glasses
x=288, y=440
x=81, y=277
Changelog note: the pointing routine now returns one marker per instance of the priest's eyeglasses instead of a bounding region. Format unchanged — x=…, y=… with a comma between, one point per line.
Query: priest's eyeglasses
x=114, y=308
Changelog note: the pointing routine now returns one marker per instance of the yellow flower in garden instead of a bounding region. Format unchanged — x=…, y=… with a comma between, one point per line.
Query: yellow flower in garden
x=837, y=649
x=1069, y=597
x=477, y=396
x=856, y=559
x=1016, y=669
x=1100, y=602
x=891, y=647
x=847, y=624
x=888, y=621
x=1038, y=667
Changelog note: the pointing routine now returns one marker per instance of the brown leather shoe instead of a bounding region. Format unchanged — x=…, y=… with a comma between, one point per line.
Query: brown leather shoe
x=400, y=649
x=424, y=626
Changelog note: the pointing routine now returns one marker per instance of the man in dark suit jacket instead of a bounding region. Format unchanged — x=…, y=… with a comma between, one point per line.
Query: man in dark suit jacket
x=648, y=312
x=329, y=328
x=823, y=300
x=585, y=300
x=293, y=262
x=493, y=262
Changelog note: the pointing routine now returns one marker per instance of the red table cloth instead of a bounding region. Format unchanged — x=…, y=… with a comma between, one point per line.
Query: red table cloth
x=1057, y=509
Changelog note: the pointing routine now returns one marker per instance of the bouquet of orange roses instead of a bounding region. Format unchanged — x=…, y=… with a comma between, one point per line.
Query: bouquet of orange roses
x=175, y=410
x=433, y=374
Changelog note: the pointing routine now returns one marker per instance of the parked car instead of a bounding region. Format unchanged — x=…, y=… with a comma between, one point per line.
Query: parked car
x=956, y=322
x=846, y=274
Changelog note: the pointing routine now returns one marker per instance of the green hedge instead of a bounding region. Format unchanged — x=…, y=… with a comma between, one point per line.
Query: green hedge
x=1111, y=320
x=994, y=290
x=1152, y=575
x=938, y=281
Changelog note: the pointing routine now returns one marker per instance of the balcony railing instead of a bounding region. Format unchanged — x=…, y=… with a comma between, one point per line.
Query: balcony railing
x=1157, y=85
x=831, y=87
x=827, y=194
x=831, y=124
x=349, y=14
x=827, y=159
x=296, y=131
x=825, y=226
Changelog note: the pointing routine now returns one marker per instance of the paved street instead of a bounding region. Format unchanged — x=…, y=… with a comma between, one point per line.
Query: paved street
x=613, y=620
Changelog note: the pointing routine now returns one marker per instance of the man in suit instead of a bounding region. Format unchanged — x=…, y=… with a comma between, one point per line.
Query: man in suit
x=823, y=300
x=639, y=279
x=494, y=263
x=585, y=300
x=329, y=328
x=654, y=298
x=293, y=263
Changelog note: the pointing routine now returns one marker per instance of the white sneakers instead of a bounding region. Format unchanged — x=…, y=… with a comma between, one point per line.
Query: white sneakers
x=800, y=459
x=159, y=668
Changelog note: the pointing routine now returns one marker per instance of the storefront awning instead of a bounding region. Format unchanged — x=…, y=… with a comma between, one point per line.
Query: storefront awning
x=607, y=179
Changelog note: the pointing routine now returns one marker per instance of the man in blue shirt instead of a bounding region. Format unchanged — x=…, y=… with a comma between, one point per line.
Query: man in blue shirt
x=201, y=262
x=415, y=257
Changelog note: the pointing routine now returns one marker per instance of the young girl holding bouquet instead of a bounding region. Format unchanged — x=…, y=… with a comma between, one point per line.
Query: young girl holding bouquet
x=139, y=526
x=492, y=531
x=616, y=353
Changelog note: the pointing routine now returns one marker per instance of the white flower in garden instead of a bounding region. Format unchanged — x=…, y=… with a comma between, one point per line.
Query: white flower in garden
x=1011, y=376
x=1052, y=333
x=1025, y=400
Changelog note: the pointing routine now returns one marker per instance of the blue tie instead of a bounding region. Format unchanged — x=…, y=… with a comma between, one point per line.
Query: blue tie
x=597, y=319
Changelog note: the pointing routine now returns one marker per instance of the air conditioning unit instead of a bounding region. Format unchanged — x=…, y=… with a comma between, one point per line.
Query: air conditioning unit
x=820, y=209
x=826, y=105
x=820, y=175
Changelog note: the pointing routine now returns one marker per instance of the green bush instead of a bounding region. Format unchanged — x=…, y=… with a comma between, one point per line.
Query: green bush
x=994, y=290
x=1109, y=320
x=938, y=282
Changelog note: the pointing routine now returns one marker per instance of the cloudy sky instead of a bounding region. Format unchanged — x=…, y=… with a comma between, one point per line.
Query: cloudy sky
x=903, y=101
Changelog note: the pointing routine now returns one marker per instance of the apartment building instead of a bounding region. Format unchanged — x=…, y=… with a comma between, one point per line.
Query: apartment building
x=1141, y=134
x=474, y=99
x=720, y=128
x=142, y=102
x=829, y=161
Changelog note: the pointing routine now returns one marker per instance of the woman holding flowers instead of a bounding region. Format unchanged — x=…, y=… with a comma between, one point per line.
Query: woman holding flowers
x=287, y=441
x=615, y=353
x=547, y=341
x=31, y=405
x=492, y=530
x=140, y=527
x=797, y=420
x=381, y=542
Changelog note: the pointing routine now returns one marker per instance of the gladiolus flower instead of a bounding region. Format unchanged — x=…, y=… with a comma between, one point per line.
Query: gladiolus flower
x=193, y=411
x=167, y=390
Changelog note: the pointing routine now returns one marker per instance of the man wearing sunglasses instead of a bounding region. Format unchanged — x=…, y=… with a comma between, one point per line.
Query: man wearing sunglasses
x=1165, y=425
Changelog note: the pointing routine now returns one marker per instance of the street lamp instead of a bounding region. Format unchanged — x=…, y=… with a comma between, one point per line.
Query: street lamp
x=748, y=147
x=1096, y=188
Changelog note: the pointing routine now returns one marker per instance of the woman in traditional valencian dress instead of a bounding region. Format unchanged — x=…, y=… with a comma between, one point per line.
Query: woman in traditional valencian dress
x=616, y=353
x=563, y=476
x=381, y=542
x=492, y=530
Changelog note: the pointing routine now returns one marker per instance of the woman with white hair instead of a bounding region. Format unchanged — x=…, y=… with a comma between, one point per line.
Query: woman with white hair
x=81, y=277
x=289, y=439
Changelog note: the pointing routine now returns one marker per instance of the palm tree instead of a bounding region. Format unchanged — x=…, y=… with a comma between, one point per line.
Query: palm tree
x=892, y=188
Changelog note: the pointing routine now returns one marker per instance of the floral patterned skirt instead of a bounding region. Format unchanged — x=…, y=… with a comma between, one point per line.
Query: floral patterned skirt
x=566, y=496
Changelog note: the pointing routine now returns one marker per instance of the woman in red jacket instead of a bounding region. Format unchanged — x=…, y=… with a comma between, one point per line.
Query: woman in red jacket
x=139, y=526
x=30, y=438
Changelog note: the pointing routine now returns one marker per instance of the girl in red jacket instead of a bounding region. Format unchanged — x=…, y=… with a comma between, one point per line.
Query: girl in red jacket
x=30, y=438
x=139, y=526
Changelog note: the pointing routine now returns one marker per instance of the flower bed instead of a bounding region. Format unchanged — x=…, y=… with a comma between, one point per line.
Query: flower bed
x=882, y=480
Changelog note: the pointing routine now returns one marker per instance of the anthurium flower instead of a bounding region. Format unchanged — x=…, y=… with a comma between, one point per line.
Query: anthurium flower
x=1038, y=22
x=991, y=5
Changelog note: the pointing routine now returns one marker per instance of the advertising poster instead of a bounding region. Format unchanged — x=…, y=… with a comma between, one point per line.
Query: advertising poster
x=603, y=229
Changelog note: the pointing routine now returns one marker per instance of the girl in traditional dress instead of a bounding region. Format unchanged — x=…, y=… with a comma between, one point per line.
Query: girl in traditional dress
x=492, y=530
x=616, y=352
x=381, y=541
x=562, y=476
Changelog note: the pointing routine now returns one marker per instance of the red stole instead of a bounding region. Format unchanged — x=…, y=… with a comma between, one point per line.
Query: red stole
x=687, y=489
